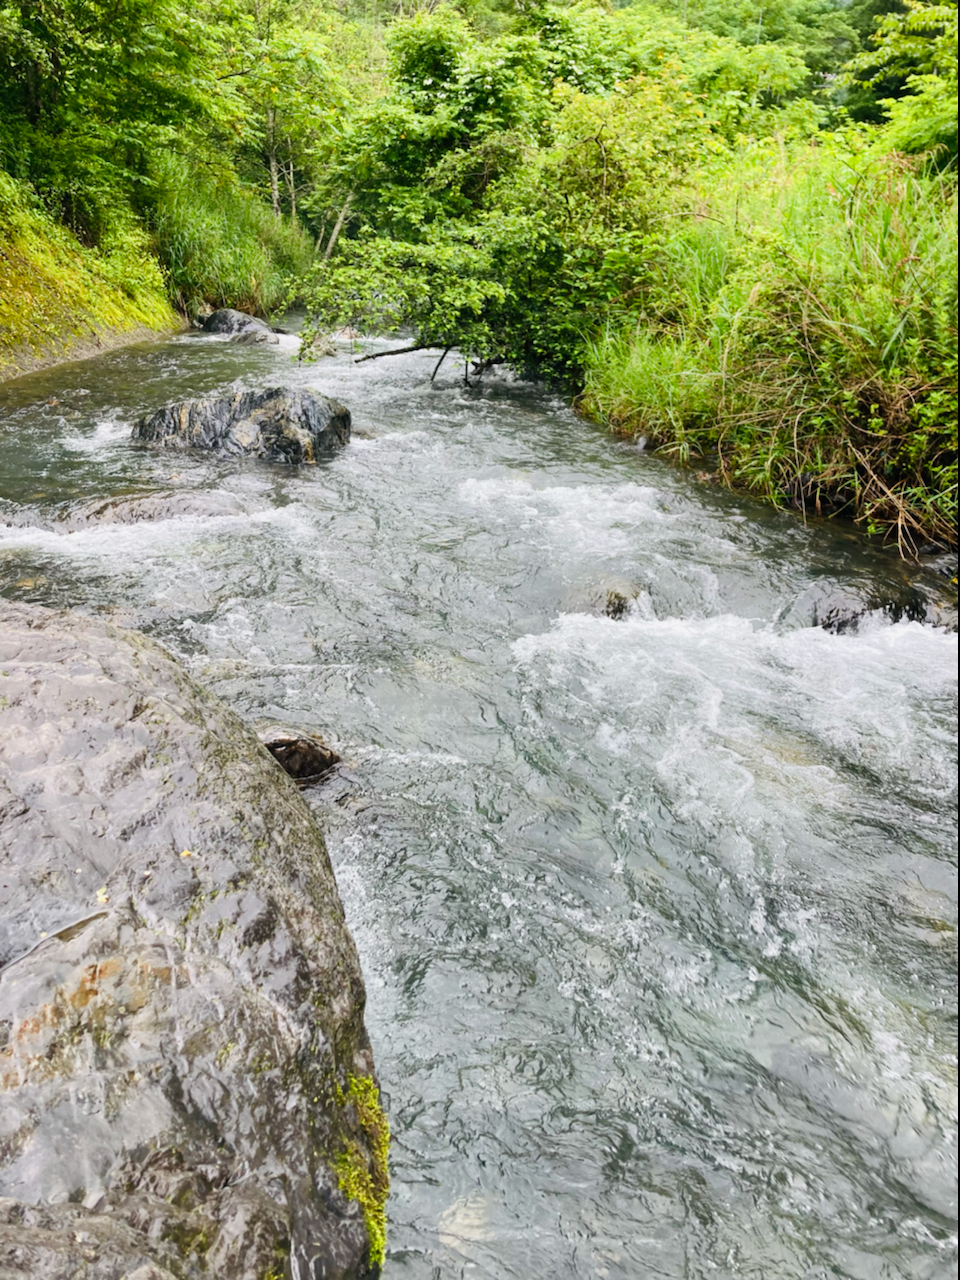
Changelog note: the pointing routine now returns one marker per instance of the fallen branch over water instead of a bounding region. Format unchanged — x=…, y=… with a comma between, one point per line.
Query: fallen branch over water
x=395, y=351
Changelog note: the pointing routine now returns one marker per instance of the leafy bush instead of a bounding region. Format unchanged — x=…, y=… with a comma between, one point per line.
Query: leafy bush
x=919, y=43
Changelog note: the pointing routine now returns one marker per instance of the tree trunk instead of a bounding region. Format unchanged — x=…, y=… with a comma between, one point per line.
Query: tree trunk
x=272, y=161
x=338, y=227
x=290, y=175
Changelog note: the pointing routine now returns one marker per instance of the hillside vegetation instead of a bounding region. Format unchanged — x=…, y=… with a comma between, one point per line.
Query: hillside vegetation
x=725, y=226
x=59, y=297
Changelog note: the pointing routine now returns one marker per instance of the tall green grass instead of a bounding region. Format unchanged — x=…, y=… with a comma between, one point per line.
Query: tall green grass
x=800, y=327
x=220, y=243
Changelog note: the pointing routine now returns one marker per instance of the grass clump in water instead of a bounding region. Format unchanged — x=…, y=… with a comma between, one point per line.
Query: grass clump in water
x=800, y=327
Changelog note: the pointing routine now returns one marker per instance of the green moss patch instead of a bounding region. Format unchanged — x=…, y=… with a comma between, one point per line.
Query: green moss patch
x=366, y=1178
x=59, y=298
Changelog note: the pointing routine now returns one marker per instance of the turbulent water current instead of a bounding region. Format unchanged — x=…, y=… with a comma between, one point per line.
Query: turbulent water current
x=657, y=911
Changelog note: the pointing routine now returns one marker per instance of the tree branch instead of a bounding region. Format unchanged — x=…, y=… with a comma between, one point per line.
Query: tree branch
x=396, y=351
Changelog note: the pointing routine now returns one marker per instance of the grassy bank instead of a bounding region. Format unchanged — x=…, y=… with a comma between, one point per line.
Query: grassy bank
x=200, y=242
x=799, y=332
x=219, y=244
x=59, y=299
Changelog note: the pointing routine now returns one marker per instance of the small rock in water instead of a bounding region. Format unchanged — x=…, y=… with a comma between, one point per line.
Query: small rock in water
x=273, y=423
x=303, y=755
x=617, y=604
x=610, y=597
x=256, y=338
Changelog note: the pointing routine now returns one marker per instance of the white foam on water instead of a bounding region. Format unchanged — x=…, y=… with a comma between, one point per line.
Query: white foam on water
x=862, y=696
x=107, y=432
x=233, y=635
x=687, y=703
x=599, y=519
x=143, y=540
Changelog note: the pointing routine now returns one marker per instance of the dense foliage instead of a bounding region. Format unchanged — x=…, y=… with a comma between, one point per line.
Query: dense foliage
x=729, y=225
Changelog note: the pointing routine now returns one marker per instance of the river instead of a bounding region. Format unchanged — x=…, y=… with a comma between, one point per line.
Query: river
x=657, y=912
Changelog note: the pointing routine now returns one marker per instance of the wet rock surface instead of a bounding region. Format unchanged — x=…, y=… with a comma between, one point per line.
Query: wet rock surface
x=611, y=597
x=302, y=755
x=841, y=608
x=135, y=508
x=181, y=1005
x=257, y=338
x=64, y=1242
x=274, y=423
x=165, y=504
x=233, y=323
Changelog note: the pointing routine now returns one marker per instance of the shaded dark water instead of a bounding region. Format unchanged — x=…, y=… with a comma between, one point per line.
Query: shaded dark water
x=657, y=914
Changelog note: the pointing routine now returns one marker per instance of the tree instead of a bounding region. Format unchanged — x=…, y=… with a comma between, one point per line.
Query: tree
x=918, y=44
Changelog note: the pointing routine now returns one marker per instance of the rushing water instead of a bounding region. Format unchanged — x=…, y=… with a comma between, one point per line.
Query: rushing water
x=657, y=913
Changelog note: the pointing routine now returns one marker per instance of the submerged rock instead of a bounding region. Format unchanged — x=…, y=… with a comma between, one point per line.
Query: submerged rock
x=272, y=423
x=303, y=755
x=847, y=607
x=610, y=597
x=163, y=504
x=256, y=337
x=186, y=1080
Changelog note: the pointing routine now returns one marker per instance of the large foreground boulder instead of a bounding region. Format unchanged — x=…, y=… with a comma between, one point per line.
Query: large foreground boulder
x=187, y=1086
x=272, y=423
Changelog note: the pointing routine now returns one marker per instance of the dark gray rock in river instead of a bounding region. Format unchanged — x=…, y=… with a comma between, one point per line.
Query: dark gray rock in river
x=234, y=323
x=301, y=754
x=187, y=1085
x=272, y=423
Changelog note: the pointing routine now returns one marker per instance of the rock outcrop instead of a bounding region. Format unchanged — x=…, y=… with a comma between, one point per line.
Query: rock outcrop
x=187, y=1085
x=273, y=423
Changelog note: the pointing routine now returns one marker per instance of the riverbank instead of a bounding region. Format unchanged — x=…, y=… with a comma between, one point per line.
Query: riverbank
x=799, y=338
x=77, y=346
x=60, y=300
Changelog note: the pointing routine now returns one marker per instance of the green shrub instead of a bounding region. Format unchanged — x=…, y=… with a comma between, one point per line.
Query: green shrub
x=801, y=328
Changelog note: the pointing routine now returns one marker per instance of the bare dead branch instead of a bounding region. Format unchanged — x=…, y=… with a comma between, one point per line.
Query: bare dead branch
x=395, y=351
